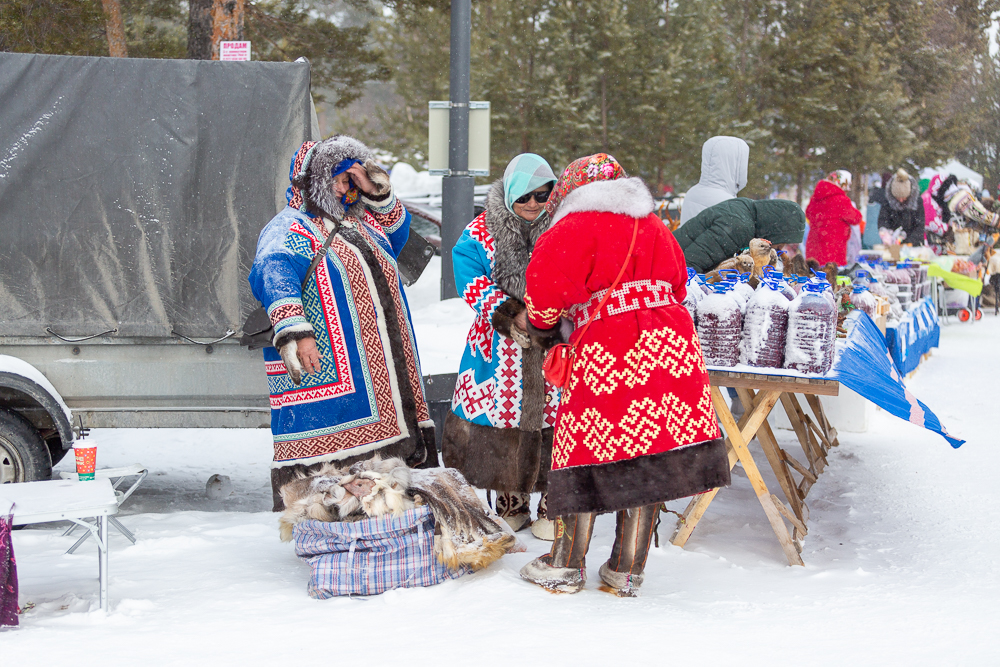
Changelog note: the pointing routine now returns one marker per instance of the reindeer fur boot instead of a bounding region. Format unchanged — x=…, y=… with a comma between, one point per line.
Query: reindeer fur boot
x=543, y=527
x=515, y=509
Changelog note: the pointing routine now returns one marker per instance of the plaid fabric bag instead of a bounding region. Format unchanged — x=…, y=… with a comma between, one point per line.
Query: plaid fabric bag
x=371, y=556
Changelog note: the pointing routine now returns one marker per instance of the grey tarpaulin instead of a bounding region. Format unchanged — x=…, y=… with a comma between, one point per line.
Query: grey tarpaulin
x=132, y=191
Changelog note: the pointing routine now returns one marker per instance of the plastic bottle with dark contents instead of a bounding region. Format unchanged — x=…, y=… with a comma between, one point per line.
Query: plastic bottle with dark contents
x=773, y=275
x=730, y=278
x=720, y=326
x=765, y=326
x=694, y=295
x=812, y=327
x=863, y=300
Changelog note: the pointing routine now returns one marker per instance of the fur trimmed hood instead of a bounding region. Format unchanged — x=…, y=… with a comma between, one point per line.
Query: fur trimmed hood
x=911, y=203
x=515, y=239
x=315, y=179
x=627, y=196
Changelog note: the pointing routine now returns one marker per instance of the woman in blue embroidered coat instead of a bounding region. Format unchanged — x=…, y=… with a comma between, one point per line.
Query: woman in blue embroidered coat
x=343, y=375
x=499, y=433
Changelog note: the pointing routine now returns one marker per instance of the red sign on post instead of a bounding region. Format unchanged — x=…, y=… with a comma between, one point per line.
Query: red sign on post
x=234, y=50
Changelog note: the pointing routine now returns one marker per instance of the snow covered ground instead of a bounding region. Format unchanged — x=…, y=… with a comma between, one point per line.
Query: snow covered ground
x=901, y=560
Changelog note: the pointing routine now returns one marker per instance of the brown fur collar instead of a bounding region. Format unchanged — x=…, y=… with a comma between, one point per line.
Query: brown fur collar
x=515, y=239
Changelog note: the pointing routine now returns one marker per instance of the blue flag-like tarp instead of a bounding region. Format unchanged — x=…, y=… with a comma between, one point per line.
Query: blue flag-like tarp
x=866, y=367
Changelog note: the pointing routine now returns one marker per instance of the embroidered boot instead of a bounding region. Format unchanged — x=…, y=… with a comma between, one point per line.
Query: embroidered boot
x=543, y=527
x=634, y=529
x=564, y=569
x=515, y=509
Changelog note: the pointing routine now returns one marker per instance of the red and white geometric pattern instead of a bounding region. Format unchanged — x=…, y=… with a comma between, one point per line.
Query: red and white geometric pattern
x=506, y=411
x=551, y=405
x=479, y=231
x=633, y=295
x=475, y=399
x=484, y=297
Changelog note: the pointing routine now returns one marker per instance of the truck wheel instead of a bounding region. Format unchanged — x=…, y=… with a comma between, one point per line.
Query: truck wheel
x=24, y=456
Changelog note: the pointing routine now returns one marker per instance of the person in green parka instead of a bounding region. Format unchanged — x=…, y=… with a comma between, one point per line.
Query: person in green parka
x=723, y=230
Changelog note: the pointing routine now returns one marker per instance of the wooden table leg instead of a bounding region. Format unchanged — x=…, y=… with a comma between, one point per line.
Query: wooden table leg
x=829, y=433
x=738, y=440
x=800, y=424
x=776, y=457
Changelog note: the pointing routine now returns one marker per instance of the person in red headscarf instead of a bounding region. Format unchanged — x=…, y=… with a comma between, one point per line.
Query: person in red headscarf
x=635, y=425
x=831, y=215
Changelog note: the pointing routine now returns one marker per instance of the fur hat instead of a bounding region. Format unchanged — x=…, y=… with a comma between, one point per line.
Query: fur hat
x=900, y=186
x=313, y=176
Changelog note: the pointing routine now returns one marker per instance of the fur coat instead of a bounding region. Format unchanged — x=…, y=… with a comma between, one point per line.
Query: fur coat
x=368, y=396
x=908, y=215
x=635, y=424
x=831, y=214
x=501, y=404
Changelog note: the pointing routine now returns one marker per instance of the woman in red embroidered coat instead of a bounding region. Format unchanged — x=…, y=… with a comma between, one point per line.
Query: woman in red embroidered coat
x=831, y=214
x=635, y=425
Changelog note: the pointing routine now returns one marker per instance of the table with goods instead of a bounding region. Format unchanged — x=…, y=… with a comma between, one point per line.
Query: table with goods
x=773, y=338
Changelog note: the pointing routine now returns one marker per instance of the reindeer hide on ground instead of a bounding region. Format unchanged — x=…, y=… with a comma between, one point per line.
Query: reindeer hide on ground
x=467, y=531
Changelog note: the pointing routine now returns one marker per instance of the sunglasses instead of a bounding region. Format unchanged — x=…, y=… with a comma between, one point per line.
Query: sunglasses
x=540, y=197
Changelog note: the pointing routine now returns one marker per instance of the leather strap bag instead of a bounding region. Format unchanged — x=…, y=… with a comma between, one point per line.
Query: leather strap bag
x=559, y=361
x=258, y=331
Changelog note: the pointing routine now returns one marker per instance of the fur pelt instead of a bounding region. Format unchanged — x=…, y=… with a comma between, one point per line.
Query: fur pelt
x=797, y=266
x=628, y=196
x=316, y=183
x=471, y=533
x=468, y=532
x=742, y=263
x=502, y=459
x=504, y=315
x=366, y=489
x=514, y=239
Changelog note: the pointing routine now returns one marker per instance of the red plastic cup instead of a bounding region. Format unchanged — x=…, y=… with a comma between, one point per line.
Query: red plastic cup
x=86, y=462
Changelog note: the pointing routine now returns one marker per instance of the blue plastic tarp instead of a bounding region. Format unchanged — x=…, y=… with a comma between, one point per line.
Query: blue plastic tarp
x=914, y=336
x=866, y=367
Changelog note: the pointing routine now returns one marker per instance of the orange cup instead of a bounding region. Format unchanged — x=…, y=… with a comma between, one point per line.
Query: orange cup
x=86, y=462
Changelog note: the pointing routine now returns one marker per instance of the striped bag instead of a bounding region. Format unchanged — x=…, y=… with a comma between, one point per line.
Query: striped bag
x=371, y=556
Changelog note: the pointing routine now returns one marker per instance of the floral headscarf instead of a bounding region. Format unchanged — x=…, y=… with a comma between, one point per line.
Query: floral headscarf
x=599, y=167
x=841, y=178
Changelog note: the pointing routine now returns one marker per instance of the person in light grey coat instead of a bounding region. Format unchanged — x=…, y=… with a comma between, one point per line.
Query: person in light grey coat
x=724, y=163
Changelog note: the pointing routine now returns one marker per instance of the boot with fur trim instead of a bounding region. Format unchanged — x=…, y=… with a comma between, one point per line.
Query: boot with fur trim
x=634, y=531
x=555, y=579
x=622, y=584
x=543, y=527
x=514, y=508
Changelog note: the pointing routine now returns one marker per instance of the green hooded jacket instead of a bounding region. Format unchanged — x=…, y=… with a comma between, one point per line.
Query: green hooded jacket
x=722, y=231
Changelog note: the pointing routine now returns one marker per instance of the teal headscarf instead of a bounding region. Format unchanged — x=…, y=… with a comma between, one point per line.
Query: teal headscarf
x=525, y=173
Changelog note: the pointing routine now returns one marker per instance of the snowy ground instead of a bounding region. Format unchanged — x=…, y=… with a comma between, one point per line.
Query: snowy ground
x=901, y=562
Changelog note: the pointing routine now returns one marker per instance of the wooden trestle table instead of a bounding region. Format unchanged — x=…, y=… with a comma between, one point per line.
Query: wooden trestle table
x=760, y=393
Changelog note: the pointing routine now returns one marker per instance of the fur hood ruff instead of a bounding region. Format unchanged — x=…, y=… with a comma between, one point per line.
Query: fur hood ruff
x=514, y=238
x=627, y=196
x=316, y=184
x=911, y=202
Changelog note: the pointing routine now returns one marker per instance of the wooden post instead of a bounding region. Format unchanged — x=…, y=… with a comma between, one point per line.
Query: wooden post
x=115, y=29
x=227, y=23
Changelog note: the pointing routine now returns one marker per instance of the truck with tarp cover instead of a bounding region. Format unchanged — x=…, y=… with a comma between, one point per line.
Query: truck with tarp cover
x=132, y=193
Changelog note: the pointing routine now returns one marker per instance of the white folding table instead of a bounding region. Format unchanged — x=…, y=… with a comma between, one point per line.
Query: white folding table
x=65, y=500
